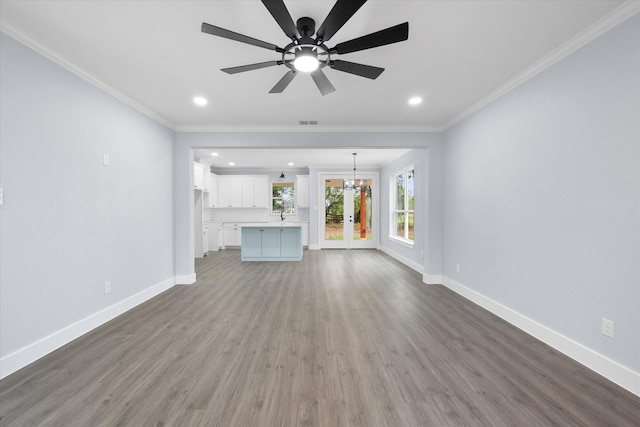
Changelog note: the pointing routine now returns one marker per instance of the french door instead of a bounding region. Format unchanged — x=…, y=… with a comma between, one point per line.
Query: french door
x=349, y=218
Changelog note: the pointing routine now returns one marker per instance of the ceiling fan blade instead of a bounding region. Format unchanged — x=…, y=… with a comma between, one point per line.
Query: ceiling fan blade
x=284, y=82
x=390, y=35
x=227, y=34
x=339, y=14
x=282, y=16
x=243, y=68
x=322, y=82
x=362, y=70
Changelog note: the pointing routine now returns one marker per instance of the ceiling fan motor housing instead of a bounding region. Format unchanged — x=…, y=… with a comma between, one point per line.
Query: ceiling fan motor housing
x=306, y=26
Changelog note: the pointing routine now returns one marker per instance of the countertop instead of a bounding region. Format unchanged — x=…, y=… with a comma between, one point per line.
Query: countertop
x=270, y=224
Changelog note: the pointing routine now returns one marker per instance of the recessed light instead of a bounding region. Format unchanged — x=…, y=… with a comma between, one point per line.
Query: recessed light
x=290, y=163
x=415, y=100
x=232, y=163
x=200, y=101
x=214, y=154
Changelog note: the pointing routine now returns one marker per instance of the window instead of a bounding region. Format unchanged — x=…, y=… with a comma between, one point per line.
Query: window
x=283, y=198
x=402, y=214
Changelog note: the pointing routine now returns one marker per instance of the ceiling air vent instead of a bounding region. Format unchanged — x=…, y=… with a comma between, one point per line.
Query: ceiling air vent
x=308, y=122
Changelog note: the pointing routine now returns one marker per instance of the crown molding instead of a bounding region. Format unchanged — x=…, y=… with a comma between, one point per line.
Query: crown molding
x=608, y=22
x=78, y=71
x=309, y=129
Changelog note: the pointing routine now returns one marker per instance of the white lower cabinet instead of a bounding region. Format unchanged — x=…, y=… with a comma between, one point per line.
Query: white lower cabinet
x=205, y=240
x=231, y=235
x=215, y=236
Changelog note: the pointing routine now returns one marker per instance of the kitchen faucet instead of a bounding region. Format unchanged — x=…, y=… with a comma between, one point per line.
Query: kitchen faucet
x=281, y=215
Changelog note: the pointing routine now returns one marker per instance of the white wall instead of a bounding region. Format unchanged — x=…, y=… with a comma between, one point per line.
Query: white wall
x=542, y=199
x=68, y=223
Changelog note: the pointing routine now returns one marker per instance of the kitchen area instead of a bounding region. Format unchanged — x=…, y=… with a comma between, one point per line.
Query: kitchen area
x=225, y=203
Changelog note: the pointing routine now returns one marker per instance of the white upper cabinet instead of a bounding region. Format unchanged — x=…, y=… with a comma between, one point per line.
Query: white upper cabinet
x=255, y=191
x=243, y=191
x=212, y=196
x=229, y=191
x=198, y=176
x=302, y=191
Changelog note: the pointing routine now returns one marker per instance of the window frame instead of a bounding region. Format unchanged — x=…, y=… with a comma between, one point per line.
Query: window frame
x=292, y=201
x=405, y=211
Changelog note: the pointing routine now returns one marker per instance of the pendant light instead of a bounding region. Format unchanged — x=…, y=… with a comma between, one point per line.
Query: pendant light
x=350, y=184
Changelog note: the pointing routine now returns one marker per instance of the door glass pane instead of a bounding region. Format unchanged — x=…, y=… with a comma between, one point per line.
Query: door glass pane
x=362, y=229
x=333, y=209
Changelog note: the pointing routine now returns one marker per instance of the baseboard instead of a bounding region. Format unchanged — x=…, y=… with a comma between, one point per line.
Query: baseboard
x=613, y=371
x=314, y=247
x=406, y=261
x=432, y=279
x=187, y=279
x=21, y=358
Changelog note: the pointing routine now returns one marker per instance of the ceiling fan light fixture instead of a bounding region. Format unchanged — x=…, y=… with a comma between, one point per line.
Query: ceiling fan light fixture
x=306, y=60
x=349, y=183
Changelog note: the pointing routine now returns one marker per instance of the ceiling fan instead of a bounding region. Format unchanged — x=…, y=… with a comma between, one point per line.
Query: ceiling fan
x=309, y=54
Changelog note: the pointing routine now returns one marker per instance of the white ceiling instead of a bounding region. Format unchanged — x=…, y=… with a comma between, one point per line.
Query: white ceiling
x=460, y=55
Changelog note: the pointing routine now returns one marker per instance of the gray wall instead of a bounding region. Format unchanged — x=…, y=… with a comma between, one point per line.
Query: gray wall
x=427, y=250
x=542, y=197
x=417, y=159
x=69, y=223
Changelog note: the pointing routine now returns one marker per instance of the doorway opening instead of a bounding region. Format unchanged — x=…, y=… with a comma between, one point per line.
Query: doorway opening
x=349, y=217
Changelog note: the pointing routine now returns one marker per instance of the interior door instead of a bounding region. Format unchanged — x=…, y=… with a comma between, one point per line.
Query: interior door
x=348, y=218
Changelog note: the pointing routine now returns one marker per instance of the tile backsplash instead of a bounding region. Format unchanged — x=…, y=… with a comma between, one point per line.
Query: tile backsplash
x=250, y=215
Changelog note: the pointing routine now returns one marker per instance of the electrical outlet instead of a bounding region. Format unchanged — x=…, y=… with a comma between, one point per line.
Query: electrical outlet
x=457, y=268
x=106, y=160
x=607, y=327
x=422, y=254
x=107, y=287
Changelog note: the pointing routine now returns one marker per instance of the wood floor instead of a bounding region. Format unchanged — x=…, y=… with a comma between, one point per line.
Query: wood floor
x=343, y=338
